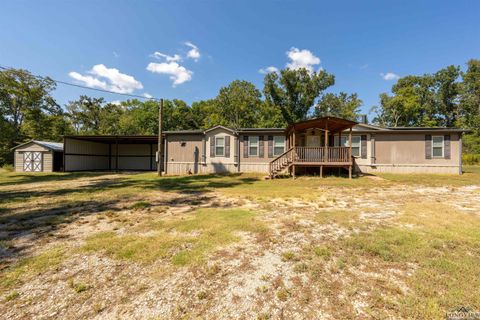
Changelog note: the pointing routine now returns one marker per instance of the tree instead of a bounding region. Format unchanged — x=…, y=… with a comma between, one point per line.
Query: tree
x=139, y=117
x=238, y=104
x=295, y=91
x=470, y=97
x=448, y=95
x=342, y=106
x=23, y=96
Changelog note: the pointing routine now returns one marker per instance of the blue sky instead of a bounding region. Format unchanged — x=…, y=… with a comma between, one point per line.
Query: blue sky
x=112, y=44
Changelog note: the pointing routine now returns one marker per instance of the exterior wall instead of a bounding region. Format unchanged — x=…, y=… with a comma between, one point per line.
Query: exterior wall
x=184, y=153
x=405, y=153
x=256, y=163
x=47, y=157
x=83, y=155
x=134, y=157
x=220, y=164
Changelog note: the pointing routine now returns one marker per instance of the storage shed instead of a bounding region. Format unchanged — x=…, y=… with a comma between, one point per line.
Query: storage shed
x=38, y=156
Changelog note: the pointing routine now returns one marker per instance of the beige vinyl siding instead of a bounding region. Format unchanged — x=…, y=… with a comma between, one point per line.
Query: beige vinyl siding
x=409, y=149
x=184, y=148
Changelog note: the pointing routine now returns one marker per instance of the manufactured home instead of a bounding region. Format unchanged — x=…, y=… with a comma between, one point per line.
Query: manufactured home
x=313, y=146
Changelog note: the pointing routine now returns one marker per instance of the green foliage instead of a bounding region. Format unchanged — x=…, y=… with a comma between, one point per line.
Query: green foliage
x=295, y=91
x=238, y=104
x=342, y=106
x=471, y=159
x=27, y=111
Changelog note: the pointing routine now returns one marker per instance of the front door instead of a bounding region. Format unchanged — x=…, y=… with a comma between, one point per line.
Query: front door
x=32, y=161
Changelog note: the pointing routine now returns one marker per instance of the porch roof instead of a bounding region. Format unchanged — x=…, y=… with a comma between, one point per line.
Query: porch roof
x=332, y=124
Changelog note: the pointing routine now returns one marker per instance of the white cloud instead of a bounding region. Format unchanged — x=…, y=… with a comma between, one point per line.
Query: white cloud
x=168, y=58
x=301, y=59
x=178, y=74
x=193, y=53
x=147, y=95
x=389, y=76
x=107, y=79
x=270, y=69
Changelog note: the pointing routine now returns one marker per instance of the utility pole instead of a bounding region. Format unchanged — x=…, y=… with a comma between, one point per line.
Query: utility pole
x=159, y=150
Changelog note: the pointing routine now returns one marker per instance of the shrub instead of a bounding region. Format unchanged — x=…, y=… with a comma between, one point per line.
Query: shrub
x=471, y=159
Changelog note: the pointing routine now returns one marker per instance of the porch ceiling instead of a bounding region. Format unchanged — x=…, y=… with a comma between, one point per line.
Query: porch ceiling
x=332, y=124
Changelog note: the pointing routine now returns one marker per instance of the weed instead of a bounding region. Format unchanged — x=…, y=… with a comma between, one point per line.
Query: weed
x=289, y=256
x=140, y=205
x=12, y=296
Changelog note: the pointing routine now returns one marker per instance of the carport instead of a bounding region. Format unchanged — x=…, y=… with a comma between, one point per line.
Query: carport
x=110, y=153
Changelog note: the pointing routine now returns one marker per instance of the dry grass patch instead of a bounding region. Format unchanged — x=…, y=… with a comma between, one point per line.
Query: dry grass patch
x=444, y=246
x=184, y=241
x=30, y=267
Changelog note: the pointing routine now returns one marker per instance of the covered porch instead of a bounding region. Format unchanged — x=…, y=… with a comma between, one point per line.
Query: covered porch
x=323, y=142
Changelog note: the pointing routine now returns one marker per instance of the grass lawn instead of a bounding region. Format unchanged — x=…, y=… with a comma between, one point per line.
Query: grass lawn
x=85, y=245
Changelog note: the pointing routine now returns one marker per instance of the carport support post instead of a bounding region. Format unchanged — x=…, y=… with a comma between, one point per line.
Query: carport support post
x=159, y=150
x=116, y=153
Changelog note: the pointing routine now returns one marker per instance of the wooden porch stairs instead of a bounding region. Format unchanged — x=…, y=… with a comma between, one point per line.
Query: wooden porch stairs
x=281, y=163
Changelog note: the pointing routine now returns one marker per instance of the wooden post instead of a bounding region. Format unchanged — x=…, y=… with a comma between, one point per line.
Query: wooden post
x=294, y=153
x=325, y=156
x=350, y=153
x=159, y=150
x=321, y=171
x=116, y=153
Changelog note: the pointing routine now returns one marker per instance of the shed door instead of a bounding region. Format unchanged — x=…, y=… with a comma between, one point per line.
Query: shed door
x=32, y=161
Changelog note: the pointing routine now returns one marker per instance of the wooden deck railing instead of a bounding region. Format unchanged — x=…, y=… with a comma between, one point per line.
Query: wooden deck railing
x=322, y=154
x=282, y=161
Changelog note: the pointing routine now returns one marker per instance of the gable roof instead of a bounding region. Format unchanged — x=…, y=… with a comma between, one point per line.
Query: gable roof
x=333, y=124
x=53, y=146
x=220, y=127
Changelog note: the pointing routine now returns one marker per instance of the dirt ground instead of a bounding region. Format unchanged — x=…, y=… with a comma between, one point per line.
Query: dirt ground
x=296, y=257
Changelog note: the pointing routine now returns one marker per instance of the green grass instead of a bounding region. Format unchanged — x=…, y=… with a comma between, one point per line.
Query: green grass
x=470, y=176
x=184, y=241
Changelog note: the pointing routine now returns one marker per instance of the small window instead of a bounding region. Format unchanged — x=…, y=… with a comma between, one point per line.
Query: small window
x=220, y=146
x=278, y=145
x=253, y=146
x=356, y=141
x=437, y=146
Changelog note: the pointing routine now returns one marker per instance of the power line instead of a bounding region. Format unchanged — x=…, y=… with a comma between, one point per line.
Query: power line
x=89, y=88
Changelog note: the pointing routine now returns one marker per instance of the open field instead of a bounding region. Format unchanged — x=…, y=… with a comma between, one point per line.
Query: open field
x=103, y=245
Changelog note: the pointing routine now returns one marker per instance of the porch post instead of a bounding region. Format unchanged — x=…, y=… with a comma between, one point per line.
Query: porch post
x=350, y=153
x=325, y=156
x=294, y=154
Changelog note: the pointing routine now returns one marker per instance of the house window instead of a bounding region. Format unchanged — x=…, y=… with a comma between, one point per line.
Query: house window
x=220, y=146
x=356, y=142
x=278, y=145
x=437, y=146
x=356, y=146
x=253, y=146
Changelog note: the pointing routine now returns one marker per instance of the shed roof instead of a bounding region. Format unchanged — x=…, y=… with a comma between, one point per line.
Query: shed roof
x=53, y=146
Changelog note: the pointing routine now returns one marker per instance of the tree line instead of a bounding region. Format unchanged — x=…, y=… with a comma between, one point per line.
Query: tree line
x=449, y=97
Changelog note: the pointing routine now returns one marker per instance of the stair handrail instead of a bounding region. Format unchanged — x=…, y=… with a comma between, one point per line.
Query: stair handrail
x=274, y=161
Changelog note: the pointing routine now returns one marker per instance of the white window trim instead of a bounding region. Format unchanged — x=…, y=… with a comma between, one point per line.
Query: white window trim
x=443, y=147
x=218, y=146
x=283, y=145
x=250, y=154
